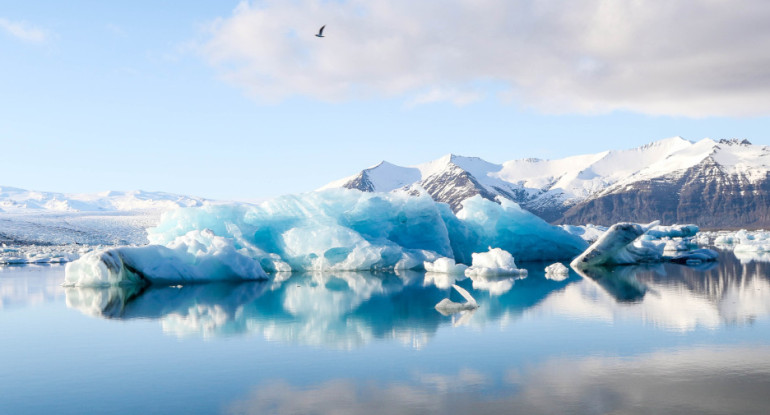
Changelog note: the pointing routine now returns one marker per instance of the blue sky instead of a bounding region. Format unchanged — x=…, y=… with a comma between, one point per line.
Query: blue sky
x=234, y=100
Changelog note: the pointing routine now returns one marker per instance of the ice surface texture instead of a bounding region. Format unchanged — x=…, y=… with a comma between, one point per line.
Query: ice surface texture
x=336, y=229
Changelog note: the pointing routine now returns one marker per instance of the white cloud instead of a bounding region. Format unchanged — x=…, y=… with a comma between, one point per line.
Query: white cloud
x=22, y=31
x=675, y=57
x=453, y=95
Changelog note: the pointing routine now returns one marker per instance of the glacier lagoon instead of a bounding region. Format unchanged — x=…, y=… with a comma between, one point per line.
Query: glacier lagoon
x=634, y=339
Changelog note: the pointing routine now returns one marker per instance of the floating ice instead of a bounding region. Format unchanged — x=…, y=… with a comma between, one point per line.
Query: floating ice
x=751, y=242
x=617, y=246
x=445, y=266
x=194, y=257
x=336, y=229
x=746, y=245
x=631, y=243
x=482, y=223
x=494, y=271
x=494, y=262
x=41, y=254
x=556, y=272
x=695, y=257
x=672, y=231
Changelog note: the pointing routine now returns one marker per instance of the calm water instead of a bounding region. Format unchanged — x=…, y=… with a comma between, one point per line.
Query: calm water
x=663, y=339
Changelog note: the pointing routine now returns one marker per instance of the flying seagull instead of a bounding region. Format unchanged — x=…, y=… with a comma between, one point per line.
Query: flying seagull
x=321, y=32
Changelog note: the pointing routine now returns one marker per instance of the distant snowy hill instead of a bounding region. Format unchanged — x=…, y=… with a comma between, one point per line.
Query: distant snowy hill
x=113, y=218
x=14, y=199
x=712, y=183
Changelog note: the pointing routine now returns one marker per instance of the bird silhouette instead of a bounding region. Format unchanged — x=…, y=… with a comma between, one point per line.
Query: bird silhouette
x=321, y=32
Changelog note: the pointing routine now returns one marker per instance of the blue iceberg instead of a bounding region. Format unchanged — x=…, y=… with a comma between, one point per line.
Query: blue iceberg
x=332, y=230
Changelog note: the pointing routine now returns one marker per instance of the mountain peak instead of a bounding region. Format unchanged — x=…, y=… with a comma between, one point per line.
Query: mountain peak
x=675, y=141
x=382, y=164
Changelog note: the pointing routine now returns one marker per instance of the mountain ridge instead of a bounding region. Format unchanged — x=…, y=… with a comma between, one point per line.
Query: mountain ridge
x=638, y=184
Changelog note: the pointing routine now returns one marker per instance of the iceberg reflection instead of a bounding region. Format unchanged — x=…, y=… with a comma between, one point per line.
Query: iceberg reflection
x=350, y=309
x=670, y=296
x=341, y=310
x=620, y=282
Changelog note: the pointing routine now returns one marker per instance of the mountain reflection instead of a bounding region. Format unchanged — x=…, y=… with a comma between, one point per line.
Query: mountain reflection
x=349, y=309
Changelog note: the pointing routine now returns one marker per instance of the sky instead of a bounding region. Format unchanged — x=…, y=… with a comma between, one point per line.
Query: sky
x=240, y=101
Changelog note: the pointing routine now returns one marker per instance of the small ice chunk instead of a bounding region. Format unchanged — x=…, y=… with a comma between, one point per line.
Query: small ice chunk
x=494, y=262
x=445, y=266
x=673, y=231
x=696, y=257
x=557, y=272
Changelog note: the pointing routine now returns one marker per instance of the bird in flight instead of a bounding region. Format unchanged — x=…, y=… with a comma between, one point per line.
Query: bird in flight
x=321, y=32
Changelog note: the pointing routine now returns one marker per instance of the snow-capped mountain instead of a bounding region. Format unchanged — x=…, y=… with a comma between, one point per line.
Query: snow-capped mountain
x=712, y=183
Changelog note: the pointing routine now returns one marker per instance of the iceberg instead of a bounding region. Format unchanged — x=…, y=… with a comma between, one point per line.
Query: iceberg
x=492, y=263
x=616, y=247
x=631, y=243
x=482, y=223
x=331, y=230
x=672, y=231
x=198, y=256
x=556, y=272
x=696, y=257
x=445, y=266
x=494, y=271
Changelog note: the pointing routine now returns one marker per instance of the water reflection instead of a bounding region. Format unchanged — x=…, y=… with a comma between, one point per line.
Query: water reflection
x=29, y=285
x=688, y=381
x=350, y=309
x=344, y=309
x=620, y=282
x=670, y=296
